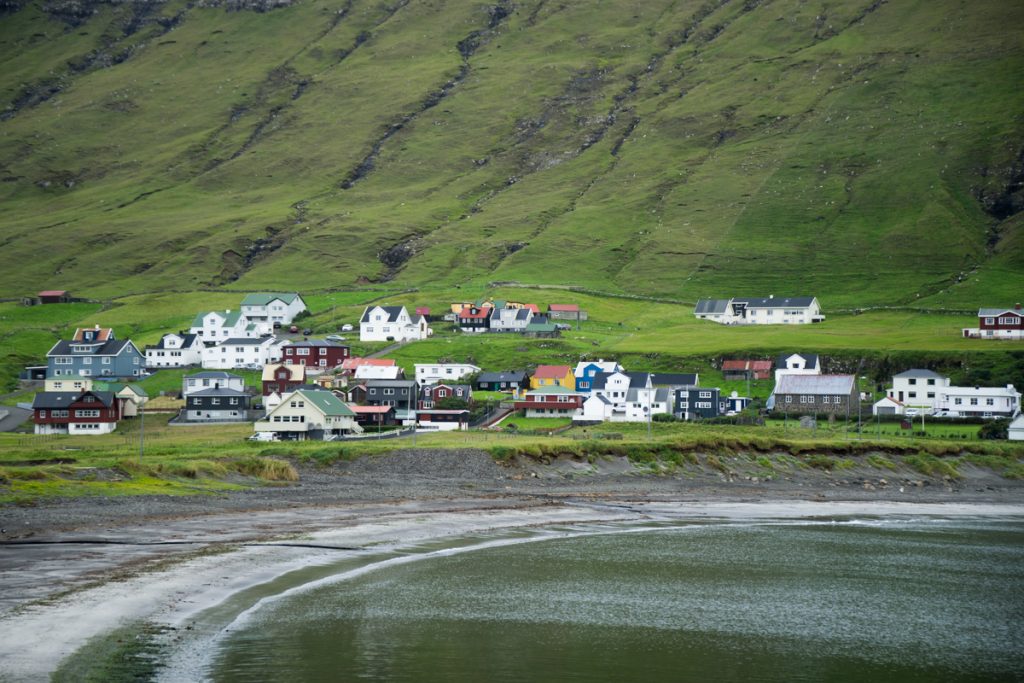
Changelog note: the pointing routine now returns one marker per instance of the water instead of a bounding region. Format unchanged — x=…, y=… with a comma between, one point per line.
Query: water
x=897, y=599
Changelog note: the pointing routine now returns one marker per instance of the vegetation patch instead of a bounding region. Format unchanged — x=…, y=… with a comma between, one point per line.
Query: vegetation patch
x=929, y=465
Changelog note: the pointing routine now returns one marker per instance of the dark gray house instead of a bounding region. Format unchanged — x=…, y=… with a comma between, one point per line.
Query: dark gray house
x=400, y=393
x=698, y=403
x=217, y=405
x=94, y=352
x=814, y=394
x=501, y=381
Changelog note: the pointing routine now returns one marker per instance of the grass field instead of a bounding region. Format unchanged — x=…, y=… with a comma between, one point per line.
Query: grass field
x=861, y=152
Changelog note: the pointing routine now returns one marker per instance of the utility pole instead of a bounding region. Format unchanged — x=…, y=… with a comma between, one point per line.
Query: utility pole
x=142, y=431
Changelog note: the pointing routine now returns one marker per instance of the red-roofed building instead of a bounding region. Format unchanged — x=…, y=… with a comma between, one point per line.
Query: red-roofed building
x=533, y=307
x=54, y=296
x=475, y=318
x=93, y=335
x=747, y=369
x=374, y=416
x=566, y=312
x=423, y=310
x=353, y=363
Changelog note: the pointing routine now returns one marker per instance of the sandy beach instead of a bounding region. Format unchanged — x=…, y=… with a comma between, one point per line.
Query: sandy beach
x=73, y=571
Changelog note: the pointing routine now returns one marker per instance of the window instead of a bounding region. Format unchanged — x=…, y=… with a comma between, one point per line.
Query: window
x=62, y=360
x=87, y=361
x=705, y=394
x=87, y=413
x=58, y=413
x=803, y=399
x=106, y=359
x=388, y=392
x=233, y=401
x=302, y=352
x=931, y=382
x=277, y=418
x=1007, y=320
x=990, y=401
x=215, y=401
x=135, y=360
x=323, y=351
x=931, y=394
x=196, y=401
x=990, y=321
x=42, y=413
x=974, y=401
x=912, y=381
x=912, y=394
x=958, y=401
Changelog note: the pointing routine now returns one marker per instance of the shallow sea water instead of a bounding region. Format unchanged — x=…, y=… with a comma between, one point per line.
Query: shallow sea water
x=899, y=599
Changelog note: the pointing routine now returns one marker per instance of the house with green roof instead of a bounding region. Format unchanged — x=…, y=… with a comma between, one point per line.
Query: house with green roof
x=306, y=414
x=272, y=307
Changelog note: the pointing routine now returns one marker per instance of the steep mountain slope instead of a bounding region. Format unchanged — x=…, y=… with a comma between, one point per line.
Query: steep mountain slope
x=866, y=151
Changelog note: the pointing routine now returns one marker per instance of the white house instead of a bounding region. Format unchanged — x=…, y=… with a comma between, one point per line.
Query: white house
x=243, y=353
x=510, y=319
x=888, y=406
x=432, y=373
x=797, y=364
x=272, y=307
x=175, y=351
x=210, y=380
x=796, y=310
x=917, y=389
x=620, y=397
x=216, y=326
x=979, y=401
x=378, y=372
x=1015, y=432
x=309, y=414
x=391, y=323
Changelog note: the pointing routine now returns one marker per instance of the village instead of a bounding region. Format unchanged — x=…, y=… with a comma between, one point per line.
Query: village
x=315, y=389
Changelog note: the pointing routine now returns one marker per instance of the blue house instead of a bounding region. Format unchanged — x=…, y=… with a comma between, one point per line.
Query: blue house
x=586, y=371
x=94, y=352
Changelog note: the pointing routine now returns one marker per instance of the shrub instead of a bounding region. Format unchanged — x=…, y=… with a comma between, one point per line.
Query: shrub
x=268, y=469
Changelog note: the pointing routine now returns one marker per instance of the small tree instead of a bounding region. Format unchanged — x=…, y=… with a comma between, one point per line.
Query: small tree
x=995, y=429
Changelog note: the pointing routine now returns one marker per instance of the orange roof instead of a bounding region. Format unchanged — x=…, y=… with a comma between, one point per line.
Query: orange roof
x=552, y=371
x=53, y=292
x=564, y=308
x=353, y=363
x=102, y=333
x=532, y=307
x=371, y=409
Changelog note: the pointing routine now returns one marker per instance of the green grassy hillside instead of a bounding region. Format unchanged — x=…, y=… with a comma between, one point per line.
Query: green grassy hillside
x=865, y=151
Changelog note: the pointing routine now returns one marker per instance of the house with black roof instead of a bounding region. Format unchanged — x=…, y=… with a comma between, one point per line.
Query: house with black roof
x=510, y=380
x=391, y=323
x=95, y=352
x=770, y=310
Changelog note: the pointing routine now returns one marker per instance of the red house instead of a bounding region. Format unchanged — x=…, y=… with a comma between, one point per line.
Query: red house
x=54, y=296
x=71, y=412
x=431, y=394
x=998, y=323
x=282, y=378
x=747, y=369
x=315, y=353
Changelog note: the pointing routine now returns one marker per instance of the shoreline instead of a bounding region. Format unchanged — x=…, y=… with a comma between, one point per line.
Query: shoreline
x=73, y=570
x=36, y=638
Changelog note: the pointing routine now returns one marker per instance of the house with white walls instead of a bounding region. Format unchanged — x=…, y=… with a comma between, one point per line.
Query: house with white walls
x=268, y=308
x=175, y=350
x=917, y=388
x=770, y=310
x=432, y=373
x=306, y=414
x=242, y=352
x=391, y=323
x=978, y=401
x=213, y=327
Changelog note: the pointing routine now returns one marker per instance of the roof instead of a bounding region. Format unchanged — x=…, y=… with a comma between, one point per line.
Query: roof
x=917, y=372
x=378, y=371
x=392, y=311
x=62, y=399
x=109, y=348
x=431, y=388
x=264, y=298
x=660, y=396
x=325, y=401
x=553, y=390
x=245, y=341
x=601, y=365
x=213, y=374
x=118, y=387
x=230, y=318
x=317, y=343
x=187, y=340
x=507, y=376
x=679, y=379
x=712, y=306
x=482, y=313
x=371, y=409
x=890, y=399
x=218, y=391
x=52, y=292
x=435, y=411
x=386, y=383
x=297, y=372
x=1008, y=391
x=423, y=310
x=993, y=312
x=815, y=384
x=564, y=308
x=552, y=371
x=811, y=359
x=353, y=363
x=776, y=302
x=534, y=308
x=540, y=327
x=746, y=365
x=102, y=333
x=520, y=313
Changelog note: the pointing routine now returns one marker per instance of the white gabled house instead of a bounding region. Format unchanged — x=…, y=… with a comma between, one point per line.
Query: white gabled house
x=215, y=326
x=267, y=308
x=918, y=388
x=795, y=310
x=432, y=373
x=175, y=351
x=797, y=364
x=243, y=353
x=624, y=397
x=979, y=401
x=210, y=380
x=309, y=414
x=392, y=323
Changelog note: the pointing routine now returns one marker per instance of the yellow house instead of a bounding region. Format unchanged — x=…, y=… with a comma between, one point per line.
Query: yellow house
x=553, y=376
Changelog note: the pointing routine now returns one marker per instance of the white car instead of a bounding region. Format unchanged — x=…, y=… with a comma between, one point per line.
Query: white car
x=912, y=412
x=346, y=328
x=334, y=338
x=263, y=436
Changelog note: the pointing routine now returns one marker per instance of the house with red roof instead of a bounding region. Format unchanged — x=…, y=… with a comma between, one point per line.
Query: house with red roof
x=53, y=296
x=553, y=376
x=746, y=369
x=566, y=312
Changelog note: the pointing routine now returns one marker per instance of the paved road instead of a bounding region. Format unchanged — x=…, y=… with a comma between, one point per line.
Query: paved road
x=15, y=417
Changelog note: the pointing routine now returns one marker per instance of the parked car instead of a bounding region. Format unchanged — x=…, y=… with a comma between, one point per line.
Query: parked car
x=912, y=412
x=263, y=436
x=334, y=338
x=277, y=324
x=294, y=329
x=346, y=328
x=308, y=331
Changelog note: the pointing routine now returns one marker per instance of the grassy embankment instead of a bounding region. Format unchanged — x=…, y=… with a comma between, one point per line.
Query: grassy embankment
x=211, y=459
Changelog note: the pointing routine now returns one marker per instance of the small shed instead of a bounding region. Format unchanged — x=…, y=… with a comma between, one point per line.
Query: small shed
x=888, y=406
x=54, y=296
x=1015, y=432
